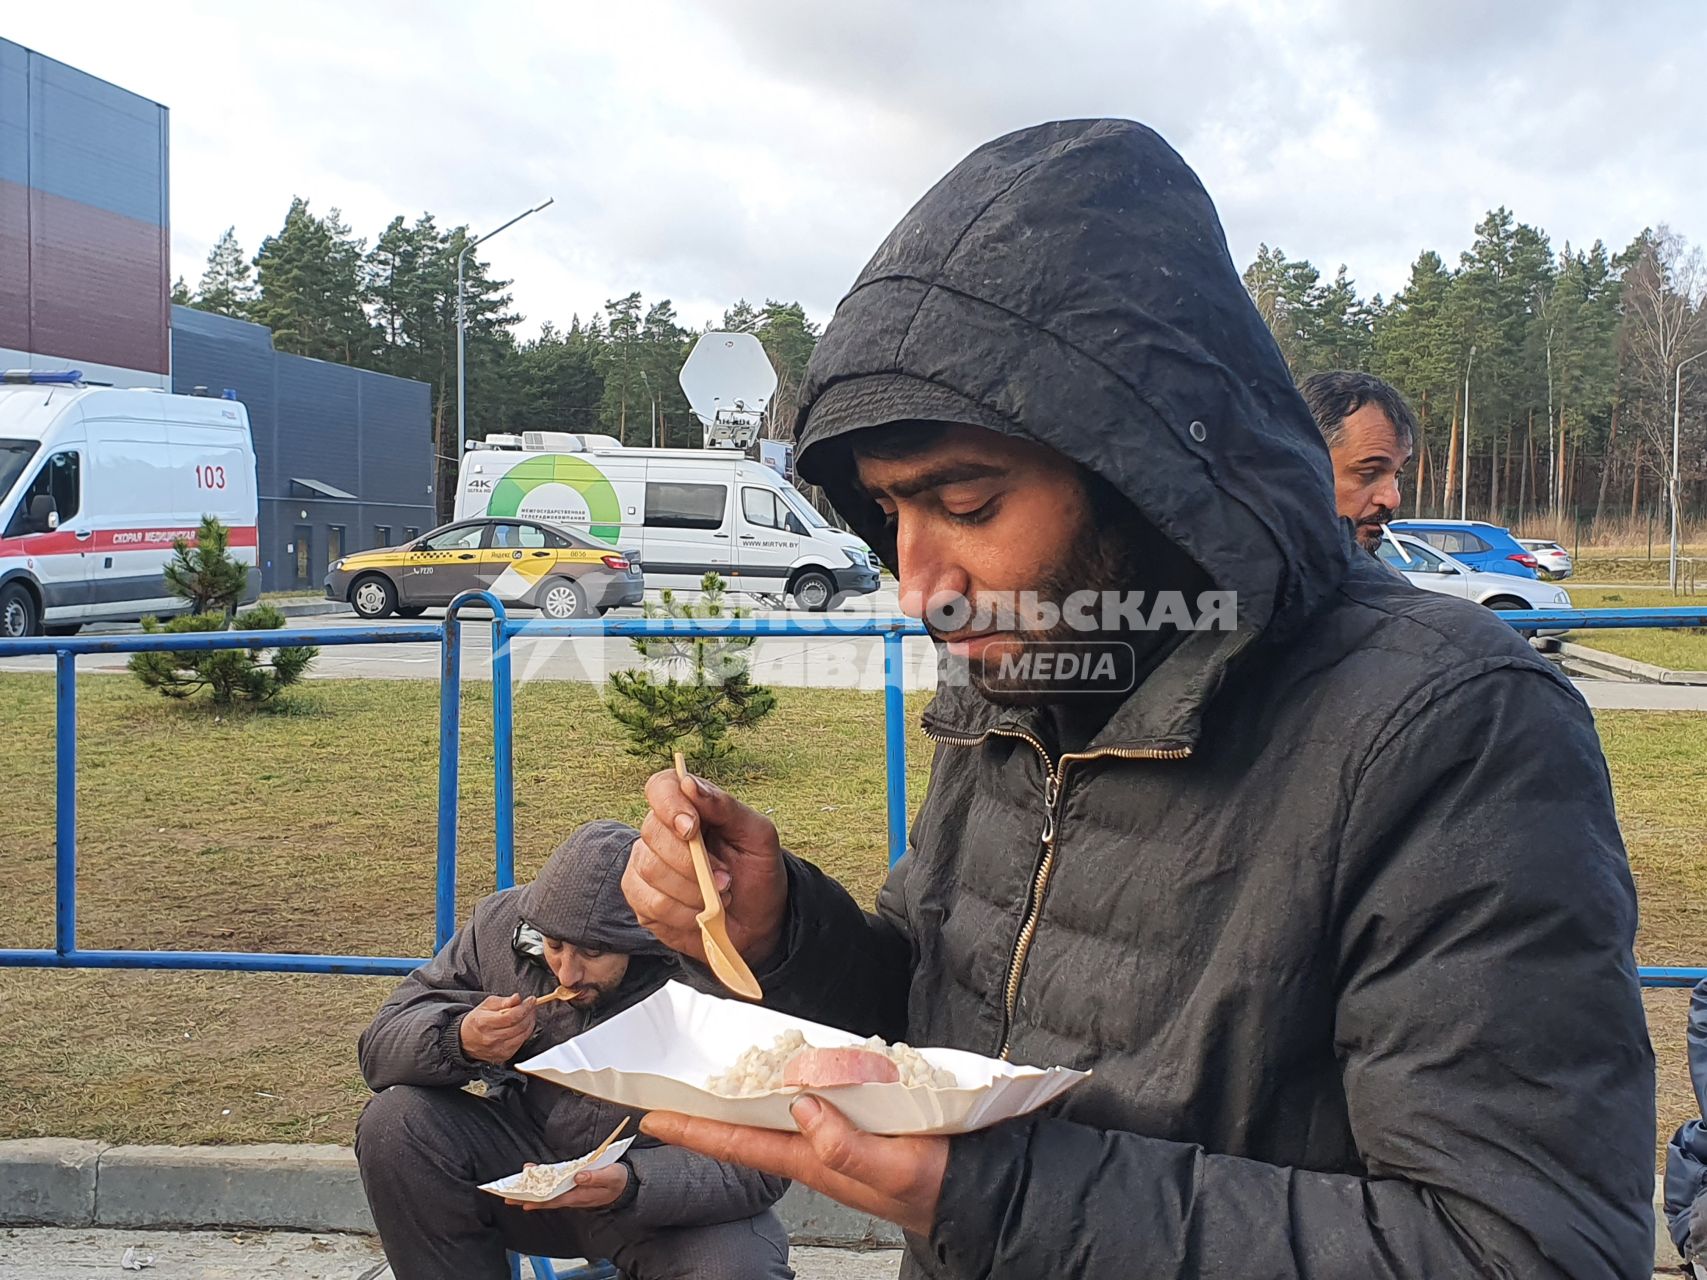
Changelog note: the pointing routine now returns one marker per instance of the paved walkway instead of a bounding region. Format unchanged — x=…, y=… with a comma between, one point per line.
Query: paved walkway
x=785, y=662
x=52, y=1253
x=1619, y=695
x=49, y=1253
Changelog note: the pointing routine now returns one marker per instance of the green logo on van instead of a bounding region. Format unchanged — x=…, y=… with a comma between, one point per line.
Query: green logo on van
x=604, y=512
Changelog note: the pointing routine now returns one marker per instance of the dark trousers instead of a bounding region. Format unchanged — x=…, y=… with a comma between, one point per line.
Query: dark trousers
x=423, y=1155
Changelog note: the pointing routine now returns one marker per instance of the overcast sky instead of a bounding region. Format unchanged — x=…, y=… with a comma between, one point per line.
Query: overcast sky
x=762, y=148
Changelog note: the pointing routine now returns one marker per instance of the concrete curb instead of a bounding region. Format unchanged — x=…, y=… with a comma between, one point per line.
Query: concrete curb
x=314, y=608
x=1629, y=667
x=300, y=1188
x=66, y=1182
x=49, y=1181
x=297, y=1187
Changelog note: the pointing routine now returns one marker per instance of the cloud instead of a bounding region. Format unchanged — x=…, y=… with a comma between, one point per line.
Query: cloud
x=760, y=148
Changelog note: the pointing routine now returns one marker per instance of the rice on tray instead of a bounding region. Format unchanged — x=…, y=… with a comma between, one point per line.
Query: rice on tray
x=760, y=1068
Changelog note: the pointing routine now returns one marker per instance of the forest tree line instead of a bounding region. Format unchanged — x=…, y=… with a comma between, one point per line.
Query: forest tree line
x=1569, y=355
x=1568, y=358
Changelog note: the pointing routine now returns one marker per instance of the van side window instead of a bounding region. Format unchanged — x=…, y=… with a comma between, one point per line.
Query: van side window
x=759, y=506
x=670, y=505
x=60, y=479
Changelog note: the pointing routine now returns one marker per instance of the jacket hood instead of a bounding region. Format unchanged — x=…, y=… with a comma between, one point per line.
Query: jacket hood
x=1070, y=283
x=577, y=895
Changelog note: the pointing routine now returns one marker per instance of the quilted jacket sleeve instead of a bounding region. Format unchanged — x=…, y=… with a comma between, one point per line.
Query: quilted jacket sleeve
x=415, y=1038
x=839, y=963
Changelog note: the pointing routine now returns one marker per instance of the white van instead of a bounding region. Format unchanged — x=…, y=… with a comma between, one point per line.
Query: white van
x=691, y=512
x=96, y=482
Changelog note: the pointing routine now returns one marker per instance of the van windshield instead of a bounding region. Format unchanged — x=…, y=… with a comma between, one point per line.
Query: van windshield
x=802, y=508
x=15, y=455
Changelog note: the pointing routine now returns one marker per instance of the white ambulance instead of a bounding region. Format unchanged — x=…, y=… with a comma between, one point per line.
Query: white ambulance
x=96, y=482
x=690, y=511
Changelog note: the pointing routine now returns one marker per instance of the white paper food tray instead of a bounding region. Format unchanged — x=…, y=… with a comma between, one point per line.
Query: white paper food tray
x=658, y=1055
x=506, y=1187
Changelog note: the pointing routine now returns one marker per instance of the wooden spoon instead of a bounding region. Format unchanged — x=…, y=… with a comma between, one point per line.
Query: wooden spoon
x=720, y=953
x=562, y=993
x=605, y=1145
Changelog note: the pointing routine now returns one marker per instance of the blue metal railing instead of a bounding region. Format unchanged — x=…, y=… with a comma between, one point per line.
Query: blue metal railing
x=65, y=952
x=892, y=631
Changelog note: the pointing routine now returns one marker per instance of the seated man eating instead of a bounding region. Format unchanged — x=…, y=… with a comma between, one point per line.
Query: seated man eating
x=425, y=1144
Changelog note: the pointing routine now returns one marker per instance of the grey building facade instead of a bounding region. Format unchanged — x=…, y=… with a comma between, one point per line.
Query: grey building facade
x=344, y=456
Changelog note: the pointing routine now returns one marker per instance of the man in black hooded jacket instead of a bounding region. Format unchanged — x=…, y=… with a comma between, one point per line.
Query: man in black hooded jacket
x=425, y=1144
x=1333, y=901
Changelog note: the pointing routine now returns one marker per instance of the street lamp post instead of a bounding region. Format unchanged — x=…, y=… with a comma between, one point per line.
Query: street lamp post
x=461, y=324
x=1676, y=431
x=1464, y=453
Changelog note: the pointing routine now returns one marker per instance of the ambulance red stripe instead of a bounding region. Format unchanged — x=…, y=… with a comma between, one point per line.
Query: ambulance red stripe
x=137, y=539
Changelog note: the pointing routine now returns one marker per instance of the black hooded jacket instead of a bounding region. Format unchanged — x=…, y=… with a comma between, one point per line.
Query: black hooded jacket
x=415, y=1038
x=1335, y=904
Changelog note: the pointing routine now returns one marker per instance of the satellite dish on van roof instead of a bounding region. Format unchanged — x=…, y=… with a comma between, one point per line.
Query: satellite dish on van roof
x=728, y=380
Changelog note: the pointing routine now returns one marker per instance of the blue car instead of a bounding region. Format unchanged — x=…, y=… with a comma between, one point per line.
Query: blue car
x=1477, y=543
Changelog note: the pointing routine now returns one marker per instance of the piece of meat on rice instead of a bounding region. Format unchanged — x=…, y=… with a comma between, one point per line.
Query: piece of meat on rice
x=811, y=1068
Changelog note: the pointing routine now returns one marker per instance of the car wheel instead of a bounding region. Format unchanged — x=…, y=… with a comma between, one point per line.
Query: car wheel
x=373, y=596
x=813, y=591
x=62, y=628
x=1507, y=602
x=19, y=616
x=411, y=610
x=563, y=600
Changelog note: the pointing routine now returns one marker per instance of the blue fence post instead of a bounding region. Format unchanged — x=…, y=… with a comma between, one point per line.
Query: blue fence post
x=65, y=804
x=895, y=744
x=450, y=758
x=503, y=742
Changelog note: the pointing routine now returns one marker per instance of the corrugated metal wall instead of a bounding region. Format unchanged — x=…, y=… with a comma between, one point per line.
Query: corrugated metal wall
x=367, y=434
x=84, y=229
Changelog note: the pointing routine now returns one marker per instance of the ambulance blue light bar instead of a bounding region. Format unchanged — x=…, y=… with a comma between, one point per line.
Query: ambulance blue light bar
x=33, y=377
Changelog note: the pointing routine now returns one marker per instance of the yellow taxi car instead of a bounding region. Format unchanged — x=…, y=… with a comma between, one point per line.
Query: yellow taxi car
x=522, y=562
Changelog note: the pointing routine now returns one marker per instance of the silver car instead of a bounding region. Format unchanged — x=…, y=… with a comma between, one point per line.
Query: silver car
x=1552, y=559
x=1436, y=571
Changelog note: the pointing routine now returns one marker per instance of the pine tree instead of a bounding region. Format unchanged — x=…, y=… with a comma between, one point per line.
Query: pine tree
x=664, y=349
x=226, y=287
x=743, y=317
x=213, y=582
x=557, y=382
x=705, y=689
x=1285, y=293
x=206, y=575
x=311, y=291
x=624, y=396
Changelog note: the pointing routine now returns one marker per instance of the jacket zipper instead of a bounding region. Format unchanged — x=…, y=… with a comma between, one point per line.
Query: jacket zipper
x=1054, y=772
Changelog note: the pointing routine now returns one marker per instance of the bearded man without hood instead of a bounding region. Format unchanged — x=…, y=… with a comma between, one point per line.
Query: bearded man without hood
x=425, y=1144
x=1333, y=902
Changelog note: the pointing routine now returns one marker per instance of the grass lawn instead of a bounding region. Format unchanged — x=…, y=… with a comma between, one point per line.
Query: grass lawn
x=1675, y=649
x=1600, y=566
x=313, y=829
